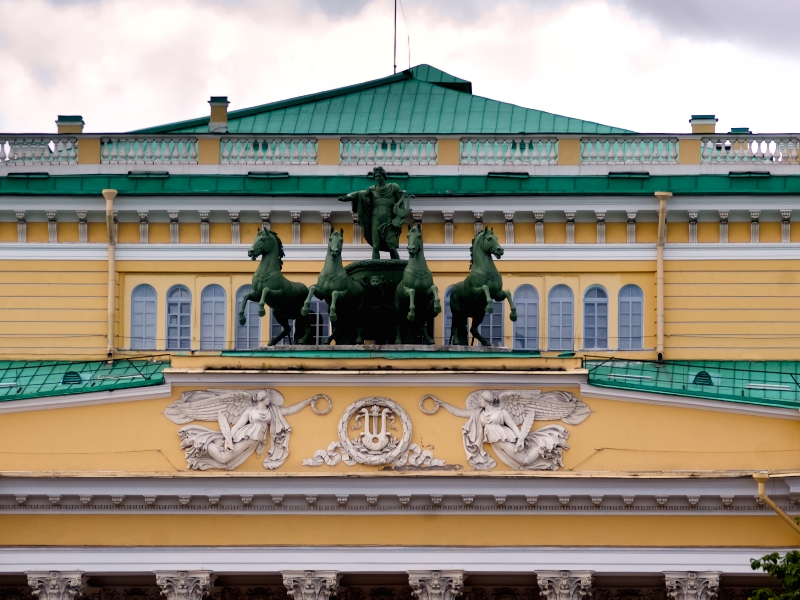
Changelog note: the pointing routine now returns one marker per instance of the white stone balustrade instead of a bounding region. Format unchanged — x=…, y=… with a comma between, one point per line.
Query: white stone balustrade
x=32, y=150
x=262, y=150
x=148, y=150
x=750, y=149
x=380, y=150
x=510, y=150
x=629, y=150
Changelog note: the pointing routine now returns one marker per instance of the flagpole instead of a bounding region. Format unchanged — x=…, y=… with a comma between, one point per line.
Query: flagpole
x=395, y=36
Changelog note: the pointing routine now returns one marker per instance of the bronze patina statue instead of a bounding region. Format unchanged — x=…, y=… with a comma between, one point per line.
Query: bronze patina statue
x=381, y=210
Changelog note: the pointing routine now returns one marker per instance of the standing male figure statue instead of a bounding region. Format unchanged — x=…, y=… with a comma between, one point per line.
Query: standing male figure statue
x=381, y=210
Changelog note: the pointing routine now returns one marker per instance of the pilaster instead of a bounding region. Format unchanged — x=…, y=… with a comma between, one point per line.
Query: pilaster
x=631, y=227
x=448, y=227
x=22, y=226
x=326, y=226
x=174, y=231
x=723, y=226
x=692, y=226
x=688, y=585
x=356, y=229
x=565, y=585
x=235, y=230
x=56, y=585
x=509, y=227
x=436, y=585
x=311, y=585
x=786, y=226
x=570, y=227
x=144, y=225
x=185, y=585
x=601, y=227
x=296, y=227
x=205, y=231
x=754, y=226
x=538, y=227
x=83, y=227
x=52, y=227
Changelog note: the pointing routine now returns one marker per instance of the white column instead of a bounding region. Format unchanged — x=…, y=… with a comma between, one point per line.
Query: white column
x=311, y=585
x=786, y=226
x=509, y=227
x=754, y=226
x=56, y=585
x=723, y=226
x=235, y=236
x=565, y=585
x=326, y=226
x=478, y=222
x=570, y=227
x=601, y=227
x=448, y=227
x=265, y=220
x=52, y=227
x=174, y=231
x=632, y=227
x=436, y=585
x=205, y=233
x=539, y=227
x=83, y=227
x=22, y=226
x=296, y=227
x=357, y=234
x=692, y=226
x=687, y=585
x=144, y=235
x=185, y=585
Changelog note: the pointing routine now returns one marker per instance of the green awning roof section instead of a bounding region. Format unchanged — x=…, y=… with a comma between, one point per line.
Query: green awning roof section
x=421, y=100
x=769, y=383
x=20, y=379
x=438, y=186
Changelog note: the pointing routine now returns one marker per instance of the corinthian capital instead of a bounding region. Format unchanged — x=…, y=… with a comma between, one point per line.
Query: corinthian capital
x=311, y=585
x=436, y=585
x=687, y=585
x=185, y=585
x=565, y=585
x=56, y=585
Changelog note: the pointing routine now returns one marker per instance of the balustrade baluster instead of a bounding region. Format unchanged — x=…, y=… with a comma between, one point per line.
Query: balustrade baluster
x=269, y=157
x=130, y=156
x=637, y=151
x=673, y=151
x=3, y=155
x=380, y=155
x=251, y=152
x=258, y=149
x=174, y=154
x=464, y=147
x=344, y=155
x=235, y=151
x=295, y=151
x=184, y=153
x=304, y=152
x=473, y=152
x=425, y=156
x=433, y=156
x=224, y=151
x=312, y=153
x=509, y=157
x=63, y=155
x=526, y=151
x=628, y=153
x=491, y=155
x=538, y=152
x=158, y=156
x=648, y=154
x=793, y=154
x=139, y=151
x=414, y=151
x=148, y=151
x=481, y=151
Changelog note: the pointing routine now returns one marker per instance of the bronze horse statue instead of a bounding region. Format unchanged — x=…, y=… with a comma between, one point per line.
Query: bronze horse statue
x=270, y=287
x=472, y=298
x=416, y=296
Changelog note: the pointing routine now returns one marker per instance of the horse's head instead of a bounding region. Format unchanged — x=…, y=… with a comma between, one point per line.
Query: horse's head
x=486, y=240
x=414, y=240
x=265, y=242
x=335, y=242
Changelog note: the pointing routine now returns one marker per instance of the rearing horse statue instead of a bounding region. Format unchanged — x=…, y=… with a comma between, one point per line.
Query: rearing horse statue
x=472, y=298
x=270, y=287
x=342, y=294
x=415, y=291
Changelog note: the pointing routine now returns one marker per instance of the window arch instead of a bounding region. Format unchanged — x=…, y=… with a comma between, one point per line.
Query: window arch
x=248, y=336
x=526, y=328
x=595, y=318
x=212, y=318
x=631, y=318
x=143, y=317
x=492, y=325
x=448, y=316
x=179, y=318
x=560, y=318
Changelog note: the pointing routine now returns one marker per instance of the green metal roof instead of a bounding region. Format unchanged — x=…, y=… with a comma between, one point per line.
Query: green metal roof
x=770, y=383
x=442, y=186
x=20, y=379
x=421, y=100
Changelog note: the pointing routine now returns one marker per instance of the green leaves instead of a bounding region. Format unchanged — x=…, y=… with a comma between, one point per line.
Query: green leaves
x=786, y=570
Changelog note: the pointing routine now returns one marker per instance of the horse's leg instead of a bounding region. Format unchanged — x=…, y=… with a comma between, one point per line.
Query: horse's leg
x=412, y=310
x=262, y=301
x=437, y=305
x=475, y=330
x=332, y=310
x=253, y=297
x=394, y=254
x=511, y=305
x=489, y=308
x=307, y=303
x=359, y=334
x=283, y=320
x=301, y=330
x=458, y=329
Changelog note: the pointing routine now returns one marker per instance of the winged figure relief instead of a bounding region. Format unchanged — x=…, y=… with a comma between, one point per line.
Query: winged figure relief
x=504, y=419
x=247, y=420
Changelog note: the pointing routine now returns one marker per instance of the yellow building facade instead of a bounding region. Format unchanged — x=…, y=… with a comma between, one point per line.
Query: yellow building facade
x=632, y=433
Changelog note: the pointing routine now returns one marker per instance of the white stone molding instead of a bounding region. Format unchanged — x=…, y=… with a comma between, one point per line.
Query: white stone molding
x=247, y=500
x=56, y=585
x=235, y=228
x=478, y=223
x=448, y=226
x=786, y=226
x=565, y=585
x=436, y=585
x=754, y=226
x=690, y=585
x=88, y=399
x=185, y=585
x=52, y=227
x=357, y=233
x=509, y=216
x=205, y=234
x=83, y=227
x=144, y=234
x=538, y=227
x=174, y=227
x=570, y=227
x=311, y=585
x=723, y=226
x=631, y=227
x=417, y=217
x=693, y=226
x=22, y=227
x=601, y=227
x=296, y=227
x=326, y=226
x=266, y=222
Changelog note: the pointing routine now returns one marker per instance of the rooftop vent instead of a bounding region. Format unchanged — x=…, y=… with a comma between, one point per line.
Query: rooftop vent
x=702, y=378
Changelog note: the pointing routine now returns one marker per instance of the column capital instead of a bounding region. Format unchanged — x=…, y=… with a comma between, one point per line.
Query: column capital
x=295, y=215
x=81, y=215
x=754, y=215
x=570, y=215
x=203, y=216
x=51, y=215
x=565, y=585
x=693, y=215
x=538, y=217
x=600, y=216
x=417, y=217
x=723, y=216
x=326, y=217
x=173, y=216
x=688, y=585
x=20, y=215
x=185, y=585
x=509, y=216
x=56, y=585
x=631, y=216
x=265, y=219
x=143, y=216
x=436, y=585
x=311, y=585
x=448, y=215
x=786, y=215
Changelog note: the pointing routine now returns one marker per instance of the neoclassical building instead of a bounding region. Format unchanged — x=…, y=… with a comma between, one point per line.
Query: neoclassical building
x=631, y=432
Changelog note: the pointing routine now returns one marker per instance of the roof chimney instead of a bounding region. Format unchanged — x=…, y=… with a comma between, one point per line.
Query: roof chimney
x=219, y=114
x=69, y=124
x=703, y=123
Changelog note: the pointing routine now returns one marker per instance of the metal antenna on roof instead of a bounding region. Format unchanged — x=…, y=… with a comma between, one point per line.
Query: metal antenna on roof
x=395, y=36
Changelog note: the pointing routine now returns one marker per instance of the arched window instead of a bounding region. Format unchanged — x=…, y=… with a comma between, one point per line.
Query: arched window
x=212, y=318
x=248, y=336
x=179, y=318
x=631, y=318
x=448, y=316
x=595, y=318
x=559, y=319
x=526, y=328
x=492, y=325
x=143, y=318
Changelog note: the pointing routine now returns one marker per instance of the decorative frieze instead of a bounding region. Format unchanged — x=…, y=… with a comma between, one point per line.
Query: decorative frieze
x=311, y=585
x=436, y=585
x=56, y=585
x=565, y=585
x=185, y=585
x=174, y=231
x=601, y=227
x=689, y=585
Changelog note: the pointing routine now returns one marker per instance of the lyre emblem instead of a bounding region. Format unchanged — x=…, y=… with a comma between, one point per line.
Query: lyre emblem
x=372, y=438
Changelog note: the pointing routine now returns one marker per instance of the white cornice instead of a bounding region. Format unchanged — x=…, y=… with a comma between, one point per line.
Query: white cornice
x=87, y=399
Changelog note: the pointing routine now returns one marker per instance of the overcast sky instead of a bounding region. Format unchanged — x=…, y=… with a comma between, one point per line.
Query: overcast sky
x=645, y=65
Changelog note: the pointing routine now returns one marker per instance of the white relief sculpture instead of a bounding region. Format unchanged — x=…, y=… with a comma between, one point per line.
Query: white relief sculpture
x=311, y=585
x=376, y=418
x=56, y=585
x=504, y=418
x=690, y=585
x=258, y=416
x=565, y=585
x=185, y=585
x=436, y=585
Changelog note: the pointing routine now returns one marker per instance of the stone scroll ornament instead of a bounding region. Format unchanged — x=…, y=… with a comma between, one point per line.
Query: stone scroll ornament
x=377, y=419
x=248, y=421
x=504, y=418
